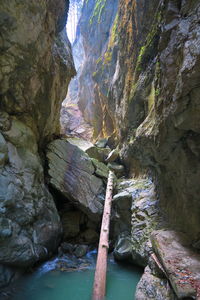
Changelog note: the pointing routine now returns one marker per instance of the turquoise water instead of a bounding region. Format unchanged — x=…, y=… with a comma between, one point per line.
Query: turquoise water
x=52, y=283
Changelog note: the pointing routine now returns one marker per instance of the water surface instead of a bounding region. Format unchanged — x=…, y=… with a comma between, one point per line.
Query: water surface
x=58, y=280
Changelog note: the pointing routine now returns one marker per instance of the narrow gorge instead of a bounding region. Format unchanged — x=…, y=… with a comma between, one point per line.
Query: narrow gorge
x=89, y=86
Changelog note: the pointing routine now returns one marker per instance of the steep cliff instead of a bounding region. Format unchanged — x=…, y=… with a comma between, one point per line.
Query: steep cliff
x=138, y=82
x=149, y=83
x=166, y=139
x=92, y=42
x=148, y=80
x=36, y=67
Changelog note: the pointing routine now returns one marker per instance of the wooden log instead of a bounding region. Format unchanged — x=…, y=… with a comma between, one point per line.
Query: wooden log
x=99, y=287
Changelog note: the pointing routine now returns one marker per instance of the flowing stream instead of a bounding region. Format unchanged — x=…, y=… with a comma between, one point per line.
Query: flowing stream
x=59, y=279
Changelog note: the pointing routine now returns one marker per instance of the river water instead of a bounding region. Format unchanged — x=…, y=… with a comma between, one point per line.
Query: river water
x=67, y=278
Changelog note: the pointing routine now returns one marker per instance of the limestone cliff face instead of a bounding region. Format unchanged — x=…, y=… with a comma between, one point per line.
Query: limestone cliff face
x=91, y=44
x=36, y=67
x=154, y=98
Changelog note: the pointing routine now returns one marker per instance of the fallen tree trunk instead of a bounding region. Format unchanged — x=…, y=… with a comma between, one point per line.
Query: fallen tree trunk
x=99, y=286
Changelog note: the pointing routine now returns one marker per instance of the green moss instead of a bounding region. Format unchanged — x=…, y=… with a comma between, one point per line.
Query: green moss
x=94, y=74
x=113, y=37
x=148, y=50
x=157, y=92
x=151, y=98
x=114, y=29
x=97, y=12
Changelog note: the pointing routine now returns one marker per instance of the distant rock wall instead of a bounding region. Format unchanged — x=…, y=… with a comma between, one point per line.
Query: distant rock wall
x=36, y=67
x=91, y=44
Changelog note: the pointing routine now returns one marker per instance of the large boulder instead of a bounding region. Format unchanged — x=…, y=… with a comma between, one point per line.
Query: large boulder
x=153, y=287
x=123, y=248
x=122, y=202
x=145, y=219
x=180, y=262
x=29, y=223
x=72, y=173
x=36, y=67
x=134, y=217
x=93, y=151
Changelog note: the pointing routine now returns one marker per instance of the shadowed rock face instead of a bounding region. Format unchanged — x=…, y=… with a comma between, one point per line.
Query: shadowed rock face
x=147, y=79
x=167, y=140
x=36, y=67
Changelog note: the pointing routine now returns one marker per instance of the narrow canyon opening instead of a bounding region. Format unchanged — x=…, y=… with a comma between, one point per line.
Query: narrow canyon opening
x=89, y=86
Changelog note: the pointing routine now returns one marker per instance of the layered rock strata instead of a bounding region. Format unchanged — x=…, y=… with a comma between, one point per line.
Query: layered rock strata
x=72, y=172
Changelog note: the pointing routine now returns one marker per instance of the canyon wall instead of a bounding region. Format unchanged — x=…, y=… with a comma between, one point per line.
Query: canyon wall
x=143, y=87
x=92, y=41
x=36, y=67
x=159, y=119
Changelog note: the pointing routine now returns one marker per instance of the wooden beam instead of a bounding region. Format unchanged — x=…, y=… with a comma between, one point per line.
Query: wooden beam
x=99, y=287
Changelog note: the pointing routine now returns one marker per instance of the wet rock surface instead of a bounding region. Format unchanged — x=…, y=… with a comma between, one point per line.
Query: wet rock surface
x=122, y=202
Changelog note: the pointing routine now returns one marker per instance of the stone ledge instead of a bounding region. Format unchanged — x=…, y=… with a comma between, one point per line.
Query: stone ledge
x=180, y=262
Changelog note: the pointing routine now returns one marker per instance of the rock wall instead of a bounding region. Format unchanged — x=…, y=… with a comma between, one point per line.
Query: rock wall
x=150, y=86
x=94, y=29
x=36, y=67
x=167, y=140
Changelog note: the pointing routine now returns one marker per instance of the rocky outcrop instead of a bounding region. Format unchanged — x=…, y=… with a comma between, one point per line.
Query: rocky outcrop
x=123, y=248
x=72, y=172
x=135, y=216
x=164, y=82
x=153, y=287
x=180, y=261
x=36, y=67
x=73, y=123
x=147, y=79
x=145, y=218
x=121, y=204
